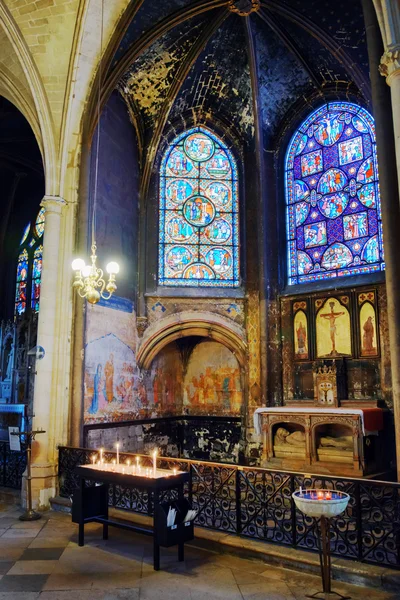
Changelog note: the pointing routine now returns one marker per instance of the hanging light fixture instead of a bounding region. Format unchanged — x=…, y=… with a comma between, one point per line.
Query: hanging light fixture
x=89, y=279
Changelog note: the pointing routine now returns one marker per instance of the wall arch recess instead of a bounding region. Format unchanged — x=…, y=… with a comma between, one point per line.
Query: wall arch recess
x=191, y=323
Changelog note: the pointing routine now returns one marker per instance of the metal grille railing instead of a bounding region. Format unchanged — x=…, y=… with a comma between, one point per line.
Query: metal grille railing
x=12, y=466
x=257, y=503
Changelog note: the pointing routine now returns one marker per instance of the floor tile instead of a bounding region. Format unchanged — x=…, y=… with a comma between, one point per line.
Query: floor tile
x=22, y=583
x=64, y=581
x=42, y=553
x=5, y=566
x=52, y=542
x=11, y=554
x=33, y=567
x=19, y=533
x=19, y=595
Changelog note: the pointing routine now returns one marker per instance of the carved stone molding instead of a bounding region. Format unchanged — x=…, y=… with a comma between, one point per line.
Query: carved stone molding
x=141, y=324
x=390, y=62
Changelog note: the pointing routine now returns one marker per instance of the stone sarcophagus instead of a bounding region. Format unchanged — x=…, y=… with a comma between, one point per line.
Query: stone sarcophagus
x=337, y=441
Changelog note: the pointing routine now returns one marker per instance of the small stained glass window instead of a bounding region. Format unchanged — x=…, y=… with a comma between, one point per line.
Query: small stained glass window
x=21, y=283
x=39, y=225
x=36, y=278
x=199, y=213
x=333, y=211
x=25, y=234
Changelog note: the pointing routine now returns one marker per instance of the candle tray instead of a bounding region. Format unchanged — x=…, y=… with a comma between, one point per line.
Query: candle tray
x=315, y=507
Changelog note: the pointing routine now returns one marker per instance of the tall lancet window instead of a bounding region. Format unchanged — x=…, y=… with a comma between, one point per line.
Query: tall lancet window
x=29, y=268
x=199, y=213
x=333, y=211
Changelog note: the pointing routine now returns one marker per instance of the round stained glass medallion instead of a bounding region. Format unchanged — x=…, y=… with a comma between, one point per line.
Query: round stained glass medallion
x=179, y=164
x=199, y=211
x=199, y=147
x=39, y=225
x=25, y=234
x=304, y=263
x=219, y=231
x=178, y=258
x=370, y=252
x=218, y=166
x=367, y=195
x=219, y=193
x=328, y=130
x=179, y=229
x=199, y=271
x=336, y=256
x=333, y=205
x=302, y=209
x=178, y=191
x=332, y=181
x=220, y=259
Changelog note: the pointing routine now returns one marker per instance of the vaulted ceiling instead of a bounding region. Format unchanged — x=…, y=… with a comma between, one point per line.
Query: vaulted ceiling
x=185, y=61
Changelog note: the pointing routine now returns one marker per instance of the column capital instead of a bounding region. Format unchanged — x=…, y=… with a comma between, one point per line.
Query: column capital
x=390, y=62
x=53, y=204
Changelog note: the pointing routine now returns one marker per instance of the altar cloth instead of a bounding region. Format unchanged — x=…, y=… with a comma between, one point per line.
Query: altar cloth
x=371, y=418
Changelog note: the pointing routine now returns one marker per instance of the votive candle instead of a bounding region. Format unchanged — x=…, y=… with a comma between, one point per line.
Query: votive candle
x=93, y=458
x=117, y=446
x=154, y=463
x=174, y=470
x=101, y=455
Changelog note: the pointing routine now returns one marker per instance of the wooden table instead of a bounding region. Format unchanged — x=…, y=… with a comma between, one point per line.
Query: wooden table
x=90, y=503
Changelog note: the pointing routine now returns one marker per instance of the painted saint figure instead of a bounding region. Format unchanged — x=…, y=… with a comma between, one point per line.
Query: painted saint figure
x=94, y=407
x=109, y=375
x=332, y=316
x=301, y=339
x=368, y=337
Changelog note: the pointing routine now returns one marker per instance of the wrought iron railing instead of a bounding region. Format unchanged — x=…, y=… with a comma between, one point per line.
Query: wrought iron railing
x=257, y=503
x=12, y=466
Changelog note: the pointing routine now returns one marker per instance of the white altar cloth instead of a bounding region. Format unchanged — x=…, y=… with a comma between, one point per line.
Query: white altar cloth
x=306, y=411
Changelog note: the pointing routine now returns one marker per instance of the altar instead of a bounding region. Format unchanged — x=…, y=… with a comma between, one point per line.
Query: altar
x=336, y=441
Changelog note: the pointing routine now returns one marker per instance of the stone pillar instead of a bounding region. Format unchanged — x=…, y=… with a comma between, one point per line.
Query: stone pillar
x=390, y=68
x=44, y=452
x=385, y=141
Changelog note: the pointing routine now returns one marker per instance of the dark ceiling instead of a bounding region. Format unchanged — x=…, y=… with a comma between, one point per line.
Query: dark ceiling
x=187, y=60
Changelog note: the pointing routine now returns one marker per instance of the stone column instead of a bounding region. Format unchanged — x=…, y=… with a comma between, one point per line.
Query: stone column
x=390, y=68
x=385, y=141
x=44, y=448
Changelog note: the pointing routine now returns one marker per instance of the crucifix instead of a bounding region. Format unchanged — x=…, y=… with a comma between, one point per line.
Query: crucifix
x=332, y=316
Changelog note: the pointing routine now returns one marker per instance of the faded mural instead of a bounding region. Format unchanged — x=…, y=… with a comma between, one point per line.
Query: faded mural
x=212, y=382
x=116, y=390
x=112, y=388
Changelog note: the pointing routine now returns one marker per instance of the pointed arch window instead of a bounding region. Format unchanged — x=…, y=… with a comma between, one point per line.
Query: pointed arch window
x=198, y=213
x=333, y=211
x=29, y=267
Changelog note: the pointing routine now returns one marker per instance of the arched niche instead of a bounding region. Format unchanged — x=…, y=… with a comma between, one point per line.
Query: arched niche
x=191, y=323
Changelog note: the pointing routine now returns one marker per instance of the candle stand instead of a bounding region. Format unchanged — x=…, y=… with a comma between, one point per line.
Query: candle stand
x=29, y=514
x=323, y=505
x=90, y=503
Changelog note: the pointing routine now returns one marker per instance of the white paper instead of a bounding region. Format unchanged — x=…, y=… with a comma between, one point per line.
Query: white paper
x=15, y=442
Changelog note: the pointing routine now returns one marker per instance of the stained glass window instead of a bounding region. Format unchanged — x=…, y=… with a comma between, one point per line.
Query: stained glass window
x=25, y=234
x=36, y=277
x=29, y=267
x=22, y=280
x=199, y=213
x=39, y=225
x=333, y=211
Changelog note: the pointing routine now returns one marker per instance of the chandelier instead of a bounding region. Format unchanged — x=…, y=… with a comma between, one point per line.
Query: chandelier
x=89, y=279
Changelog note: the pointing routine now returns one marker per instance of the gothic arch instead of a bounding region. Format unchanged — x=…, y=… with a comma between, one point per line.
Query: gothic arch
x=187, y=323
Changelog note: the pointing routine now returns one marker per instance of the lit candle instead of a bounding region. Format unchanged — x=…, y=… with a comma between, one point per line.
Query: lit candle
x=328, y=496
x=113, y=464
x=301, y=491
x=93, y=458
x=123, y=470
x=117, y=446
x=128, y=464
x=174, y=470
x=320, y=495
x=101, y=456
x=154, y=463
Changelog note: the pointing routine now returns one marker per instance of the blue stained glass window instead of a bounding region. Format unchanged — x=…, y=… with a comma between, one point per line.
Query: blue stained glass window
x=333, y=213
x=36, y=278
x=21, y=283
x=199, y=213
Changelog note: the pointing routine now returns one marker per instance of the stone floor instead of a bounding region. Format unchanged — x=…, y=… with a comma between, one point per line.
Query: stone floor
x=42, y=558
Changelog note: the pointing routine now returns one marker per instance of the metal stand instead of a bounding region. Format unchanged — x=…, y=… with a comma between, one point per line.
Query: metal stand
x=29, y=514
x=325, y=562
